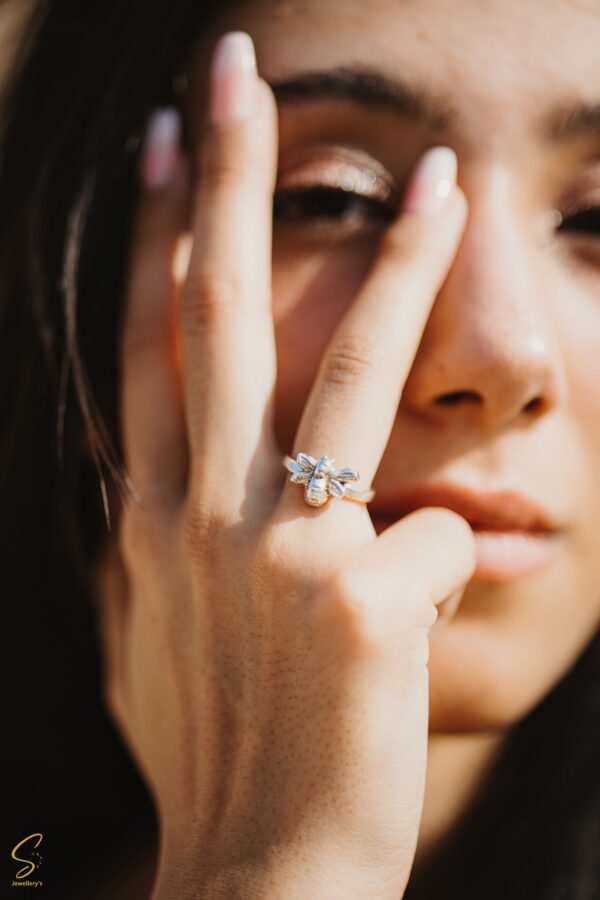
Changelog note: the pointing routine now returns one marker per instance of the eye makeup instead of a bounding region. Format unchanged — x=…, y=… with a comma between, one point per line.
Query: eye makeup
x=342, y=186
x=340, y=167
x=580, y=207
x=331, y=191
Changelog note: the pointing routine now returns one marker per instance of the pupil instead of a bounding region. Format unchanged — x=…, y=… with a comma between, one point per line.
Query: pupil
x=587, y=220
x=325, y=203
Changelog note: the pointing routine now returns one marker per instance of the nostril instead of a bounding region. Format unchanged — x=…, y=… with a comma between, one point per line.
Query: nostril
x=456, y=397
x=534, y=405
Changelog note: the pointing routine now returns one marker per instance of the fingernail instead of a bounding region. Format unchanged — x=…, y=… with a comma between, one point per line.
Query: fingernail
x=233, y=79
x=161, y=142
x=431, y=182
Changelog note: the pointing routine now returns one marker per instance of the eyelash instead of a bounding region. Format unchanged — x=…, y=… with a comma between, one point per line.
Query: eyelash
x=324, y=203
x=587, y=216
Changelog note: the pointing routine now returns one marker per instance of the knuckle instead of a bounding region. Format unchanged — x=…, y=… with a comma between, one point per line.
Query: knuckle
x=229, y=158
x=345, y=601
x=142, y=535
x=340, y=599
x=427, y=614
x=201, y=531
x=132, y=536
x=281, y=562
x=208, y=296
x=223, y=160
x=351, y=360
x=223, y=171
x=275, y=559
x=143, y=334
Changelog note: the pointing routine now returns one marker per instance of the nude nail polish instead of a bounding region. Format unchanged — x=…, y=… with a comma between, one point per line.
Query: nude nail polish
x=159, y=155
x=431, y=182
x=233, y=79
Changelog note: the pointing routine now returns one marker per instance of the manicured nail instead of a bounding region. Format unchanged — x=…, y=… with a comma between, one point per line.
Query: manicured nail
x=431, y=182
x=233, y=79
x=161, y=143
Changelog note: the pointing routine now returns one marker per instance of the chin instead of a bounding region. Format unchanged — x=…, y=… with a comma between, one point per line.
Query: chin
x=508, y=646
x=482, y=679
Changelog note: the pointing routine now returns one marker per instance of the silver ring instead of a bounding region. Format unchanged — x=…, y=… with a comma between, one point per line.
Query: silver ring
x=322, y=481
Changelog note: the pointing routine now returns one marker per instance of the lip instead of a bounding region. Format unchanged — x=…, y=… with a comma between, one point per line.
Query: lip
x=514, y=534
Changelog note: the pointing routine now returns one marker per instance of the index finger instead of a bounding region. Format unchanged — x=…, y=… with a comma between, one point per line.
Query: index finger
x=227, y=326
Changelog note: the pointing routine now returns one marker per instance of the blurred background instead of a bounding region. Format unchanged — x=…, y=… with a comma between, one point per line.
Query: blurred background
x=12, y=14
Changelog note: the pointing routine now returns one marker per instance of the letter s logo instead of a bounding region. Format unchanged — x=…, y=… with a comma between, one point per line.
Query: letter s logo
x=29, y=868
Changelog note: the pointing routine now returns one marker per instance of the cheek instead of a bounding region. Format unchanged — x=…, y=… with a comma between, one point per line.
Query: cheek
x=583, y=362
x=584, y=368
x=312, y=289
x=581, y=354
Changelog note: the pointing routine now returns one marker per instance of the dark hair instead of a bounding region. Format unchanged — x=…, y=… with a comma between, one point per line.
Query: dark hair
x=86, y=77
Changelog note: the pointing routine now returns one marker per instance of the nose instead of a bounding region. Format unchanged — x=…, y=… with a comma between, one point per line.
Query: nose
x=490, y=351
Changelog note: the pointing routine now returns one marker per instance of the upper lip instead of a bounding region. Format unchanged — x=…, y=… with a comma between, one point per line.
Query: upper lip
x=506, y=509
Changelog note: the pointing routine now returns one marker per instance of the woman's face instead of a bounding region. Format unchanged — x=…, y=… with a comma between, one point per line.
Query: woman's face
x=505, y=387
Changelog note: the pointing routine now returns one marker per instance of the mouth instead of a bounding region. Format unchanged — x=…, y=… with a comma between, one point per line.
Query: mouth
x=514, y=534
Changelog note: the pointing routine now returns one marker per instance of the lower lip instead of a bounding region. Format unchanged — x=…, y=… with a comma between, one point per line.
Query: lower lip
x=504, y=555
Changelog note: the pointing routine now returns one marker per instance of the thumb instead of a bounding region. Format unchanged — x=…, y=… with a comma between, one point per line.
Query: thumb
x=412, y=570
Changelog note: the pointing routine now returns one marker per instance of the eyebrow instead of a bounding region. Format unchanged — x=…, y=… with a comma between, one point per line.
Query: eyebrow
x=371, y=88
x=571, y=120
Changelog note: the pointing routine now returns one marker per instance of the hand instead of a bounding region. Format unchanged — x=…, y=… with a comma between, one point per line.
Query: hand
x=266, y=661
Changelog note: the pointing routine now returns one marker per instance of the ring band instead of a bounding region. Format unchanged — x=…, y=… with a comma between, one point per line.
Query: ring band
x=322, y=481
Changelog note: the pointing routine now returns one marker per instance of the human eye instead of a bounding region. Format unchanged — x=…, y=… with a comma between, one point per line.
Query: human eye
x=585, y=220
x=325, y=203
x=334, y=191
x=578, y=219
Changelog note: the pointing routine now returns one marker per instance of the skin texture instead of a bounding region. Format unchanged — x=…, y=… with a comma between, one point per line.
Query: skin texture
x=516, y=320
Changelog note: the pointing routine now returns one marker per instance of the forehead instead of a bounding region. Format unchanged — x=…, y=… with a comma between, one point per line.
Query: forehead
x=497, y=61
